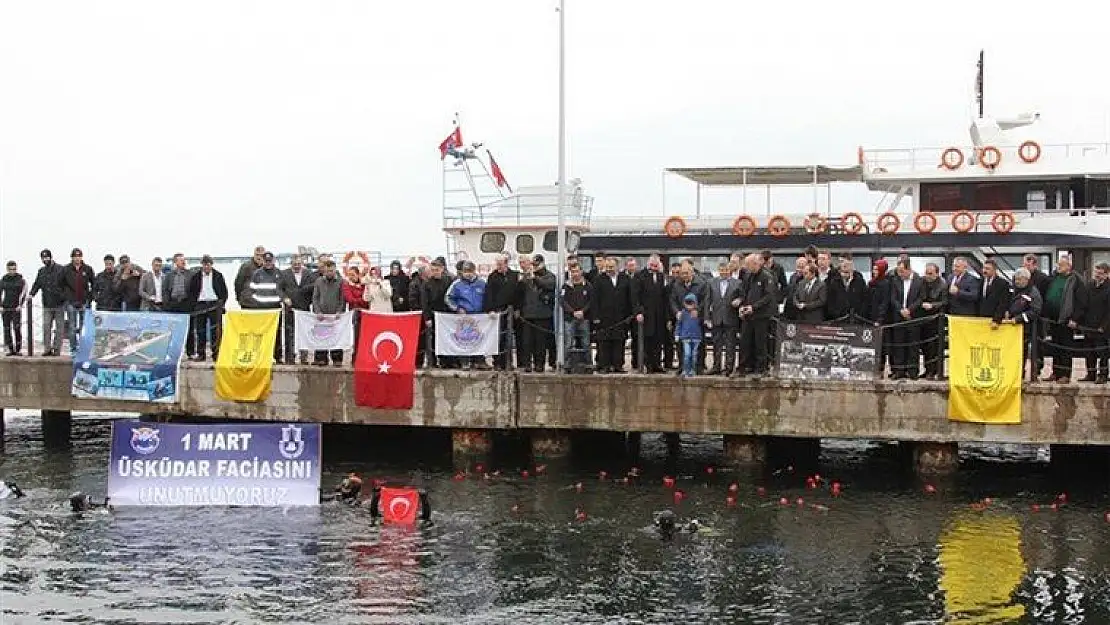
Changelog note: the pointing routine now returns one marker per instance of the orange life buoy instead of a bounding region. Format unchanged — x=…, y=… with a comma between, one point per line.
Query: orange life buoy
x=951, y=159
x=364, y=262
x=778, y=226
x=816, y=223
x=925, y=222
x=888, y=223
x=1029, y=152
x=990, y=157
x=744, y=226
x=852, y=223
x=963, y=221
x=674, y=227
x=1003, y=222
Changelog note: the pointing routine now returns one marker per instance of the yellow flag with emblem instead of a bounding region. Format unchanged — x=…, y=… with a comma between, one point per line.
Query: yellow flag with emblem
x=984, y=371
x=245, y=364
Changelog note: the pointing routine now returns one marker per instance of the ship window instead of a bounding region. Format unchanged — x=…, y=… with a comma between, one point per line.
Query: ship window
x=525, y=243
x=1036, y=200
x=551, y=237
x=492, y=242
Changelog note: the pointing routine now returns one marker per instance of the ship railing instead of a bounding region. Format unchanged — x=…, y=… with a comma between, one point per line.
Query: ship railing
x=929, y=158
x=520, y=211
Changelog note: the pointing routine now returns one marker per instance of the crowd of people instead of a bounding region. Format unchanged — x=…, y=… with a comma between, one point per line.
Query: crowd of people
x=666, y=318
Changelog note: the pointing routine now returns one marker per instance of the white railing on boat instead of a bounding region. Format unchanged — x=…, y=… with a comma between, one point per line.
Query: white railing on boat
x=910, y=159
x=520, y=211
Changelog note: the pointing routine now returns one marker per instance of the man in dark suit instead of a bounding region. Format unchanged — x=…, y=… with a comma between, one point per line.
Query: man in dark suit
x=650, y=287
x=614, y=304
x=933, y=302
x=906, y=295
x=690, y=282
x=995, y=294
x=724, y=319
x=810, y=296
x=963, y=290
x=1039, y=280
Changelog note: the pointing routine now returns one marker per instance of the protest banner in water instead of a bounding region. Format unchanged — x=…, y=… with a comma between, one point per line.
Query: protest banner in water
x=159, y=464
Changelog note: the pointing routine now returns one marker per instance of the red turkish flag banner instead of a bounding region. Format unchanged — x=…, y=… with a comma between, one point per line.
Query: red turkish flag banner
x=399, y=505
x=386, y=359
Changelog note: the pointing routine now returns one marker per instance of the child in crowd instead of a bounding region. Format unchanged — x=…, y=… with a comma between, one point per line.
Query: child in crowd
x=688, y=333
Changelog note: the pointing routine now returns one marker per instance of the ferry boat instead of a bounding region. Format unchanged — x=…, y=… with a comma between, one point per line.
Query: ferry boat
x=1002, y=195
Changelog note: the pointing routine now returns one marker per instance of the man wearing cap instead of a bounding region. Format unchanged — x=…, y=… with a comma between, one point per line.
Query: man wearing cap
x=104, y=287
x=207, y=298
x=246, y=270
x=48, y=281
x=537, y=312
x=263, y=292
x=76, y=285
x=126, y=284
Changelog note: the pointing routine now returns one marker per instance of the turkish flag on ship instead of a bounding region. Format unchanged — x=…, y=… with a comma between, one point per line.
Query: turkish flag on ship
x=399, y=505
x=386, y=359
x=452, y=142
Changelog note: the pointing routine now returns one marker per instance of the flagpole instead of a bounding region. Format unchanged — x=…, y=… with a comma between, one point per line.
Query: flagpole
x=560, y=342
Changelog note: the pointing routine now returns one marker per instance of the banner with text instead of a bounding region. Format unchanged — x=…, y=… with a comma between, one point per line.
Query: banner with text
x=466, y=335
x=984, y=371
x=827, y=352
x=130, y=356
x=158, y=464
x=323, y=332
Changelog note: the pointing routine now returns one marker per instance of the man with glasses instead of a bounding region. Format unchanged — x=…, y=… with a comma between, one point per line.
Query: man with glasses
x=48, y=281
x=76, y=284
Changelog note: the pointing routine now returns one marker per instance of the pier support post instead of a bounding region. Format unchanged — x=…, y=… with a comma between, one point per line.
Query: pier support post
x=470, y=446
x=935, y=458
x=1080, y=459
x=56, y=426
x=674, y=444
x=745, y=450
x=550, y=444
x=632, y=446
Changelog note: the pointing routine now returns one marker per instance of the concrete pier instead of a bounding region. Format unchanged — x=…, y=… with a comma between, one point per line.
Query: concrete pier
x=475, y=403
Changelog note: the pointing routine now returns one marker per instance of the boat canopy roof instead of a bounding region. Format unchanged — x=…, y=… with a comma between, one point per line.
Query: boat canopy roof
x=773, y=175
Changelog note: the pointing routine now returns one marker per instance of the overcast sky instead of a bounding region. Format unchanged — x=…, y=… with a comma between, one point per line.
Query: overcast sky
x=151, y=126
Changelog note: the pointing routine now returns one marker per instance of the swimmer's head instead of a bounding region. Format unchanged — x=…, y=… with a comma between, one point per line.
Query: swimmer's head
x=351, y=486
x=10, y=489
x=665, y=521
x=693, y=526
x=79, y=502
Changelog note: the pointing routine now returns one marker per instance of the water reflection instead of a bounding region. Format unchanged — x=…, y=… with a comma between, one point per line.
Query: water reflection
x=981, y=567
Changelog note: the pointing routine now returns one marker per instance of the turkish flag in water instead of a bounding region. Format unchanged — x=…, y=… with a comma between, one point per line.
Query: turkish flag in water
x=386, y=359
x=399, y=505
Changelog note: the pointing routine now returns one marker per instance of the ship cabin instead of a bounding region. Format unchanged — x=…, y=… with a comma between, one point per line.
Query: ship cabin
x=1002, y=196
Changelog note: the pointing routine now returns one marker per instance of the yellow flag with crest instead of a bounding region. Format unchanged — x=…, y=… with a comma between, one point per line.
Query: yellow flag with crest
x=984, y=371
x=244, y=367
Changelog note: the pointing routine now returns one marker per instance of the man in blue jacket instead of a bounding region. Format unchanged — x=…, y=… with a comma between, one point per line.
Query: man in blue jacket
x=464, y=297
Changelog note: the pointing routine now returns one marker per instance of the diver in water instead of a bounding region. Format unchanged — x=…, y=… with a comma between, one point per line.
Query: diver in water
x=10, y=489
x=80, y=502
x=425, y=506
x=347, y=491
x=667, y=525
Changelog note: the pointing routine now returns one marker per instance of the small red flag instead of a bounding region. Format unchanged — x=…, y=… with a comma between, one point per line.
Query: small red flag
x=399, y=505
x=453, y=141
x=498, y=175
x=386, y=359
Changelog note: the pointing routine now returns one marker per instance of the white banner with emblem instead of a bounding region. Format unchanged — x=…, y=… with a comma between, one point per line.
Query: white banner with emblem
x=466, y=335
x=323, y=332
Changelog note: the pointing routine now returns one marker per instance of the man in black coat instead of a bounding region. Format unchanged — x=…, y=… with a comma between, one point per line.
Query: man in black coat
x=963, y=290
x=296, y=285
x=758, y=304
x=906, y=295
x=668, y=342
x=1039, y=280
x=433, y=293
x=789, y=311
x=105, y=295
x=933, y=302
x=994, y=298
x=207, y=293
x=1096, y=321
x=689, y=282
x=650, y=286
x=613, y=305
x=847, y=293
x=504, y=290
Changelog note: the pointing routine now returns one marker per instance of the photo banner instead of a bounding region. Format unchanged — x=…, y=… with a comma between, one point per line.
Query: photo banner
x=131, y=356
x=984, y=371
x=827, y=352
x=316, y=333
x=160, y=464
x=466, y=335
